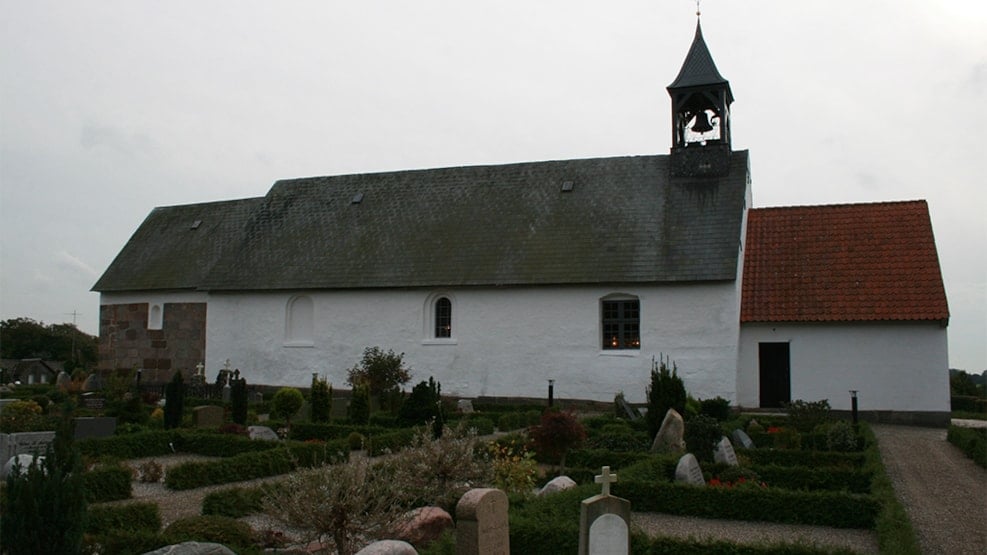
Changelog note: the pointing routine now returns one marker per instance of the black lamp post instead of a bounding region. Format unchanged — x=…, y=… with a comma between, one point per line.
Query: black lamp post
x=853, y=405
x=551, y=392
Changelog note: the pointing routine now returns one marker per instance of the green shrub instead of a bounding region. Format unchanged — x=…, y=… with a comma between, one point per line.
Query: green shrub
x=701, y=435
x=321, y=400
x=238, y=401
x=665, y=392
x=389, y=442
x=840, y=436
x=792, y=457
x=379, y=372
x=236, y=502
x=598, y=458
x=483, y=425
x=107, y=484
x=618, y=437
x=210, y=528
x=965, y=403
x=124, y=541
x=359, y=410
x=556, y=434
x=130, y=446
x=972, y=441
x=132, y=516
x=303, y=431
x=356, y=441
x=24, y=415
x=717, y=407
x=511, y=421
x=286, y=402
x=422, y=405
x=805, y=416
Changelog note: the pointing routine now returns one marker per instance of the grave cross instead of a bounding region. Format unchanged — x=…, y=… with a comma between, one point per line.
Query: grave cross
x=606, y=479
x=200, y=369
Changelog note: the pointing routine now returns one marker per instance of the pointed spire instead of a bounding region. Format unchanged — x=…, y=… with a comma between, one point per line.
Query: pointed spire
x=698, y=68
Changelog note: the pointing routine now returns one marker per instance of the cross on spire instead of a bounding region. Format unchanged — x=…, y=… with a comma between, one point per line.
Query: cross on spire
x=606, y=479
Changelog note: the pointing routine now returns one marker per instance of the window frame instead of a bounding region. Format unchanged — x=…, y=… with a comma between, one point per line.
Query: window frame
x=624, y=313
x=431, y=319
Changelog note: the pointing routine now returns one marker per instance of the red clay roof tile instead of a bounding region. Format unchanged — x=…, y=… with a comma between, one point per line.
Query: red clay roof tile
x=848, y=262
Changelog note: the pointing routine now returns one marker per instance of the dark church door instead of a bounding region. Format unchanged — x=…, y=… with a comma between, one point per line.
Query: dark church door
x=775, y=371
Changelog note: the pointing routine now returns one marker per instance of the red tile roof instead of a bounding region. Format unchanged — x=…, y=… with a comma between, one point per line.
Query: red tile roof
x=849, y=262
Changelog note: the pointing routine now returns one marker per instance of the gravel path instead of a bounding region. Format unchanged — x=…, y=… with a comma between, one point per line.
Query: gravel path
x=944, y=493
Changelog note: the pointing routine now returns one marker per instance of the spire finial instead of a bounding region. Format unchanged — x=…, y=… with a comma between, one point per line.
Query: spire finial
x=698, y=13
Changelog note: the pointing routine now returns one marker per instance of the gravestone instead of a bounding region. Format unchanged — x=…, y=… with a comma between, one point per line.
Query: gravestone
x=388, y=547
x=93, y=401
x=24, y=443
x=724, y=453
x=95, y=426
x=255, y=397
x=481, y=523
x=93, y=383
x=193, y=548
x=605, y=521
x=688, y=471
x=24, y=461
x=669, y=436
x=227, y=391
x=63, y=380
x=465, y=406
x=557, y=484
x=262, y=432
x=631, y=411
x=741, y=438
x=207, y=416
x=421, y=526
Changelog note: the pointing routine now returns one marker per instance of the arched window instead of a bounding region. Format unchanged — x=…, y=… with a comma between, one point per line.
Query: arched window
x=299, y=321
x=443, y=317
x=620, y=322
x=155, y=319
x=437, y=320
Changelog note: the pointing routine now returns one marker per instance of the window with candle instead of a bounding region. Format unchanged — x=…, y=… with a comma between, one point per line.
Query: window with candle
x=621, y=323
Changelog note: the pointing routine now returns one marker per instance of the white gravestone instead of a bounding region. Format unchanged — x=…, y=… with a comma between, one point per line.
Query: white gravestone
x=688, y=471
x=669, y=436
x=481, y=523
x=604, y=521
x=724, y=452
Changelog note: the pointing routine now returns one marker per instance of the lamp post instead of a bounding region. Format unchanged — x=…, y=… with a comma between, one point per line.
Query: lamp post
x=551, y=392
x=853, y=405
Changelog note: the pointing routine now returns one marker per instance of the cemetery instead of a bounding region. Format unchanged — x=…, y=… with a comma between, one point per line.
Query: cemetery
x=379, y=470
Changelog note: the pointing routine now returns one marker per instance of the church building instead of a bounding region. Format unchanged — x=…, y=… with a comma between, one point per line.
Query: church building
x=497, y=279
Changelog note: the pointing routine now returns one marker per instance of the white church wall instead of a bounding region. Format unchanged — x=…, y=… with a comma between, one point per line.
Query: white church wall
x=894, y=366
x=505, y=341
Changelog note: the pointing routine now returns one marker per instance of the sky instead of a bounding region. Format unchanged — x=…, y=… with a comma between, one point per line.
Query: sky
x=111, y=108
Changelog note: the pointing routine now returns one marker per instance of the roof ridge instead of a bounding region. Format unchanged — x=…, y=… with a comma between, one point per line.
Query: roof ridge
x=840, y=204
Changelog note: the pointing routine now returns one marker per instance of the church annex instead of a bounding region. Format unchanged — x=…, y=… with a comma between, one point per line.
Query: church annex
x=496, y=279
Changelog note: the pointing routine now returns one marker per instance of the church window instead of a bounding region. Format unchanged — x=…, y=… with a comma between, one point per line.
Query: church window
x=443, y=317
x=299, y=322
x=621, y=324
x=155, y=317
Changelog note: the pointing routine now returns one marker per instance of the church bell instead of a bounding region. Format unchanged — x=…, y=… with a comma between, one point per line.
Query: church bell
x=702, y=124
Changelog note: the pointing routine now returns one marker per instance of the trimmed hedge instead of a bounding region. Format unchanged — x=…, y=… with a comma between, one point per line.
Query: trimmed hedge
x=303, y=431
x=236, y=502
x=972, y=441
x=130, y=446
x=106, y=484
x=247, y=466
x=132, y=516
x=213, y=444
x=797, y=457
x=598, y=458
x=968, y=403
x=815, y=479
x=823, y=508
x=381, y=444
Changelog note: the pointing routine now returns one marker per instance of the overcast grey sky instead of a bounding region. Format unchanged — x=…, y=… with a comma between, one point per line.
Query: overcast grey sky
x=110, y=108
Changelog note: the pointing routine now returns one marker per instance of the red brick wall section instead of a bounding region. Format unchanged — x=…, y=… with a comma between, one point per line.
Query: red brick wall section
x=125, y=342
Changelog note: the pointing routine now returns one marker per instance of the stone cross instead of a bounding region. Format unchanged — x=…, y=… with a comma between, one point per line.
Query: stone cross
x=606, y=479
x=200, y=369
x=227, y=366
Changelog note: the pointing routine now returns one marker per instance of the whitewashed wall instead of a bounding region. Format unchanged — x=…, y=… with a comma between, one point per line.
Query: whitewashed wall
x=506, y=341
x=894, y=366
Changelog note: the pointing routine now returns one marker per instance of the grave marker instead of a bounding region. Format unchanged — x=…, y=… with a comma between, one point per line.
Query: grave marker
x=95, y=426
x=481, y=528
x=688, y=471
x=465, y=406
x=741, y=438
x=724, y=453
x=207, y=416
x=24, y=443
x=604, y=521
x=669, y=436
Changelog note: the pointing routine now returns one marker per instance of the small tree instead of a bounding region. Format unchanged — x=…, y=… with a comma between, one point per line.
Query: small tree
x=286, y=403
x=381, y=373
x=665, y=392
x=238, y=401
x=174, y=401
x=321, y=400
x=44, y=506
x=423, y=404
x=359, y=410
x=556, y=434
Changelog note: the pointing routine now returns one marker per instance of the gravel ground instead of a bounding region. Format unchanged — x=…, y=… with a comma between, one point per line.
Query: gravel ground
x=944, y=493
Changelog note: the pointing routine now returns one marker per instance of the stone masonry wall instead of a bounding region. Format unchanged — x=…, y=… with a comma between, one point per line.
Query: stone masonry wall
x=125, y=342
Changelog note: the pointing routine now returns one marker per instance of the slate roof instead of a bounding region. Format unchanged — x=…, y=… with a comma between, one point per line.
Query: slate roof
x=624, y=221
x=166, y=252
x=698, y=69
x=849, y=262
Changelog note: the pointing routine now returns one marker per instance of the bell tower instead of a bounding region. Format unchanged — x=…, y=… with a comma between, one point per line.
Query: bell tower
x=701, y=100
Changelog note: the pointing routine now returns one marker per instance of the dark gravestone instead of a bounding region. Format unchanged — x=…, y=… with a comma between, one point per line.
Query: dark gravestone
x=95, y=426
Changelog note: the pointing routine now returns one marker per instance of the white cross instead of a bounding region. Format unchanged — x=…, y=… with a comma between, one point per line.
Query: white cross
x=226, y=366
x=199, y=369
x=606, y=479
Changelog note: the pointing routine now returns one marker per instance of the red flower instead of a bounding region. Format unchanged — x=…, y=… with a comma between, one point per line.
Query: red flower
x=773, y=429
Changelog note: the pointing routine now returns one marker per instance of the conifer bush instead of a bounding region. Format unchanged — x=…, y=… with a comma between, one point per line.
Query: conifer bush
x=423, y=405
x=359, y=410
x=238, y=401
x=667, y=391
x=174, y=401
x=321, y=400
